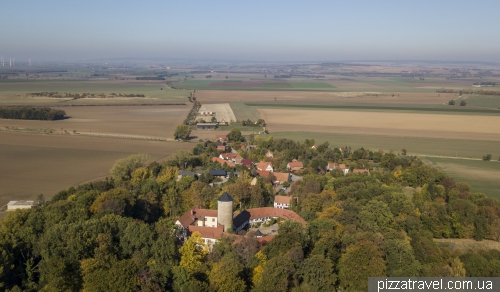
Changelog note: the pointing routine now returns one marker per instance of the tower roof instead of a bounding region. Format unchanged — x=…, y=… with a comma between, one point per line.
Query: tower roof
x=225, y=198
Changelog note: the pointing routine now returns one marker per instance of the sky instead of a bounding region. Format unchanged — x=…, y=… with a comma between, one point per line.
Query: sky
x=267, y=31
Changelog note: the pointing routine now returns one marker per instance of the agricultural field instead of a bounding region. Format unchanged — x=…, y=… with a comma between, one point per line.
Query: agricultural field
x=482, y=101
x=157, y=122
x=252, y=85
x=55, y=162
x=84, y=146
x=361, y=98
x=481, y=175
x=15, y=91
x=389, y=123
x=222, y=111
x=244, y=112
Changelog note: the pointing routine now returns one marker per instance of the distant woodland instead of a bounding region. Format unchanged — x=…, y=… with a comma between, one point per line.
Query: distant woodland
x=31, y=113
x=81, y=95
x=118, y=234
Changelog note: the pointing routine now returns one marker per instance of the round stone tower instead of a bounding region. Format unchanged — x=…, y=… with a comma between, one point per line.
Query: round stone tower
x=225, y=211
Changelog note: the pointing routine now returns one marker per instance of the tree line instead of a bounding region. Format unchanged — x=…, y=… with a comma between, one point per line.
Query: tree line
x=31, y=113
x=82, y=95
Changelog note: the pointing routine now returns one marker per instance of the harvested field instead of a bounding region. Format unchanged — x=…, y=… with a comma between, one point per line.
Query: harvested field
x=140, y=121
x=286, y=97
x=51, y=163
x=244, y=112
x=222, y=111
x=469, y=127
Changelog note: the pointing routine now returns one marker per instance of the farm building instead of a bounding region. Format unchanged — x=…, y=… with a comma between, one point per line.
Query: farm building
x=282, y=202
x=14, y=205
x=206, y=126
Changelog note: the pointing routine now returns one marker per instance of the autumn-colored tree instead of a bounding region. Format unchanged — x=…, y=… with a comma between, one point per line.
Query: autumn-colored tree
x=361, y=261
x=123, y=168
x=226, y=274
x=192, y=252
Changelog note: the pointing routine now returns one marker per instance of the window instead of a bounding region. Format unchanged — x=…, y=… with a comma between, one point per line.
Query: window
x=213, y=219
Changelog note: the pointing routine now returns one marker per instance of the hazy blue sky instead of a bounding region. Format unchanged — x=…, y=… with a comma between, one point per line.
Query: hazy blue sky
x=251, y=30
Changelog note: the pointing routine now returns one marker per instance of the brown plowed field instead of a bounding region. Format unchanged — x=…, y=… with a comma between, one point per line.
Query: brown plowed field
x=471, y=127
x=143, y=121
x=31, y=164
x=380, y=98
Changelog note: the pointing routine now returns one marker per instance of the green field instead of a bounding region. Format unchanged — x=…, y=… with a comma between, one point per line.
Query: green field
x=488, y=101
x=253, y=85
x=414, y=145
x=411, y=108
x=244, y=112
x=483, y=176
x=15, y=91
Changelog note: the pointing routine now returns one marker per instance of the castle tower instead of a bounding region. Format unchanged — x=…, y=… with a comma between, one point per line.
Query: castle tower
x=225, y=211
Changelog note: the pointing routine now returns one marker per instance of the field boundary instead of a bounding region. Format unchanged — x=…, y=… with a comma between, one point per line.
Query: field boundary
x=105, y=104
x=363, y=107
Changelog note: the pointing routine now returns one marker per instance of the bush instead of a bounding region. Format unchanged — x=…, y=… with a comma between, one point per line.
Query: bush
x=463, y=103
x=487, y=157
x=451, y=102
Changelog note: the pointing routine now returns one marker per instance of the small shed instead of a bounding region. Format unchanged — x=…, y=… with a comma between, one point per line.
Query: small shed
x=14, y=205
x=206, y=126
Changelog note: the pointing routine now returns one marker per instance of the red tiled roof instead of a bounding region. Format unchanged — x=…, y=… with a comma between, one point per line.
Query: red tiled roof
x=264, y=240
x=282, y=199
x=281, y=176
x=275, y=212
x=221, y=147
x=247, y=162
x=207, y=232
x=263, y=172
x=333, y=165
x=195, y=213
x=295, y=165
x=229, y=155
x=222, y=161
x=263, y=165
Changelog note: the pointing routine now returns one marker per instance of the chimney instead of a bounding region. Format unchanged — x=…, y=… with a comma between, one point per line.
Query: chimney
x=192, y=212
